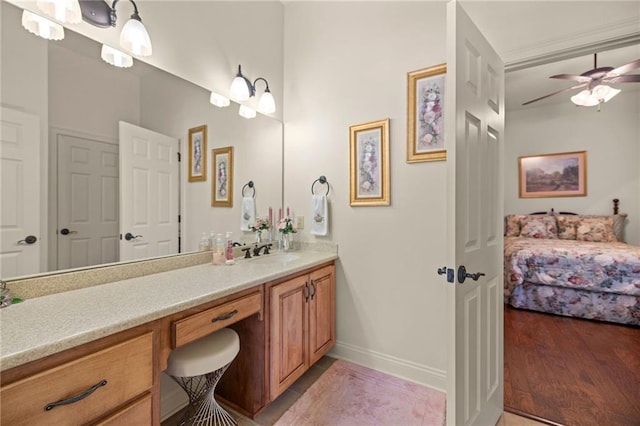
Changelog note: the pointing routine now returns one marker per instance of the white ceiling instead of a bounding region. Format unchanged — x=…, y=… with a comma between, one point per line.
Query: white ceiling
x=524, y=32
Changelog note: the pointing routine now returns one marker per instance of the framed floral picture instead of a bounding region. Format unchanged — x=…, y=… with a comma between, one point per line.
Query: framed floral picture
x=197, y=154
x=553, y=175
x=222, y=182
x=425, y=114
x=369, y=163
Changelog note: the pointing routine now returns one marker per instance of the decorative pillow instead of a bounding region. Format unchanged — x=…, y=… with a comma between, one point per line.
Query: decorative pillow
x=567, y=226
x=596, y=229
x=512, y=225
x=539, y=227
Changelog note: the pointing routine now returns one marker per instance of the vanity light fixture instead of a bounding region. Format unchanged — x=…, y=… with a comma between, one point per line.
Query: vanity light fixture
x=242, y=89
x=42, y=27
x=116, y=57
x=246, y=112
x=65, y=11
x=596, y=96
x=134, y=37
x=219, y=100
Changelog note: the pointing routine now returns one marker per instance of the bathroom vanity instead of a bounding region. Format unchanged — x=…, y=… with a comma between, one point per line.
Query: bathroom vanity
x=95, y=355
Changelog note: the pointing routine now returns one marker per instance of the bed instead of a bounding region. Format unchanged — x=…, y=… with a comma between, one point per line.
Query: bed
x=572, y=265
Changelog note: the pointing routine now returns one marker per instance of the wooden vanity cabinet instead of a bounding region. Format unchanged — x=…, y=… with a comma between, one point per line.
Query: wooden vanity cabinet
x=302, y=325
x=113, y=385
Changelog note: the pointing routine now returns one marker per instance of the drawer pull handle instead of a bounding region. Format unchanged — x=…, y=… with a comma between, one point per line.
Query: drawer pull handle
x=76, y=398
x=225, y=316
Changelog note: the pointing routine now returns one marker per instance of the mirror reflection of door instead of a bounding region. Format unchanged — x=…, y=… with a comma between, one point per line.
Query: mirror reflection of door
x=87, y=231
x=149, y=183
x=20, y=193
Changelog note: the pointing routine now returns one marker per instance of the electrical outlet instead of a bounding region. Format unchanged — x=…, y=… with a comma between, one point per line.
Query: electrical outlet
x=300, y=222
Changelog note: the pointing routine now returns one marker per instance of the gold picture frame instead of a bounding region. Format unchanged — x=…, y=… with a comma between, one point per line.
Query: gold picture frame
x=553, y=175
x=369, y=163
x=198, y=154
x=222, y=181
x=425, y=114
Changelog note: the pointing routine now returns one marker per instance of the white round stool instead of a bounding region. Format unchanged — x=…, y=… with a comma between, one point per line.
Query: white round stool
x=197, y=367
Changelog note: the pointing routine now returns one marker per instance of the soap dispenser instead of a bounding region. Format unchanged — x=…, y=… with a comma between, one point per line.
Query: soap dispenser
x=218, y=251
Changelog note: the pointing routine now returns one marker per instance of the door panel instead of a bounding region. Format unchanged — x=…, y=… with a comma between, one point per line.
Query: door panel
x=321, y=313
x=87, y=202
x=20, y=193
x=149, y=193
x=474, y=123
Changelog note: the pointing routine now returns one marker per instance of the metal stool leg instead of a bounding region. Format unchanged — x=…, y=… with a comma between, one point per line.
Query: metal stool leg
x=203, y=409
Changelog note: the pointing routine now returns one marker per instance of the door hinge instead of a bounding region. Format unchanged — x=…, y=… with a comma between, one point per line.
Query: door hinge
x=179, y=157
x=179, y=219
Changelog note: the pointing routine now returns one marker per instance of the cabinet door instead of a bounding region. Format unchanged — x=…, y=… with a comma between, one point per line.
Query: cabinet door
x=322, y=324
x=289, y=328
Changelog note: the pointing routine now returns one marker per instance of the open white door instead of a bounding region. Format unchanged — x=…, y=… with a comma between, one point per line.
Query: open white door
x=20, y=235
x=474, y=128
x=149, y=182
x=87, y=230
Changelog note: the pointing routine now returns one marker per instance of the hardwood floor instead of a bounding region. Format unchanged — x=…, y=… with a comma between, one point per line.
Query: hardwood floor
x=571, y=371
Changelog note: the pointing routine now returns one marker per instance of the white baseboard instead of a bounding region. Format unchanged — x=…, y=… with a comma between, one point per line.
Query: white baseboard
x=407, y=370
x=172, y=397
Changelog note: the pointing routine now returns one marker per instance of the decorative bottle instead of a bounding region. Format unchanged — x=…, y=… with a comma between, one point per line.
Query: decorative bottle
x=228, y=254
x=204, y=242
x=218, y=251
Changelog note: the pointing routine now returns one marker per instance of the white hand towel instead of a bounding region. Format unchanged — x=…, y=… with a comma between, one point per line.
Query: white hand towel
x=319, y=215
x=248, y=213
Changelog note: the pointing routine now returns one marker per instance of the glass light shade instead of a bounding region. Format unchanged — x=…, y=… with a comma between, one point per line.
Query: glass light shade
x=42, y=27
x=239, y=90
x=135, y=38
x=267, y=104
x=584, y=98
x=604, y=93
x=65, y=11
x=115, y=57
x=598, y=94
x=219, y=100
x=246, y=112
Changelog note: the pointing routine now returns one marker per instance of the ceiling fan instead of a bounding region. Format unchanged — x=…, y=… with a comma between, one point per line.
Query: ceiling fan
x=594, y=81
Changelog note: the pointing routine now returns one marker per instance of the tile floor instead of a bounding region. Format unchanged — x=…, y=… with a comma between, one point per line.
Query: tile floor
x=277, y=408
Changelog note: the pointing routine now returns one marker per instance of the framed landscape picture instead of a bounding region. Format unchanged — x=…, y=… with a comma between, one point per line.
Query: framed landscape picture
x=553, y=175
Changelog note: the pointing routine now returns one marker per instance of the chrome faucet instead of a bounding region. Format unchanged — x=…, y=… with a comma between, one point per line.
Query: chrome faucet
x=256, y=250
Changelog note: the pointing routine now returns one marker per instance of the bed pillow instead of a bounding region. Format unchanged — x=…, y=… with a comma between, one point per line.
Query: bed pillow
x=567, y=226
x=539, y=227
x=512, y=225
x=596, y=229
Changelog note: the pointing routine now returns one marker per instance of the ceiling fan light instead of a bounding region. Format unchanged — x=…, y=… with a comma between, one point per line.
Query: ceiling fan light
x=604, y=93
x=135, y=38
x=585, y=98
x=42, y=27
x=65, y=11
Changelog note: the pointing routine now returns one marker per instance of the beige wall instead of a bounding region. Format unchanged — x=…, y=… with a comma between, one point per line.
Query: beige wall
x=611, y=138
x=347, y=64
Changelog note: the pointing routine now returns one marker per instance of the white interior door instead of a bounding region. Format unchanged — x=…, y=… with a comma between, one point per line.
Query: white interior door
x=87, y=230
x=474, y=128
x=20, y=194
x=149, y=182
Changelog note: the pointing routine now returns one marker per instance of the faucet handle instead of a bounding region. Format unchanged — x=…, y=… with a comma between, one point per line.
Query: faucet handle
x=247, y=252
x=266, y=248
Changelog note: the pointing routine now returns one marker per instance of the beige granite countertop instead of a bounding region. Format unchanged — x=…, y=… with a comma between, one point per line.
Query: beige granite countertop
x=46, y=325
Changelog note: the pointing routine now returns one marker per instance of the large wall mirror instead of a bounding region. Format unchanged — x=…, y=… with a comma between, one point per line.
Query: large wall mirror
x=76, y=102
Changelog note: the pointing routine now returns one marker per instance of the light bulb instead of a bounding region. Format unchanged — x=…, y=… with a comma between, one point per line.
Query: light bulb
x=42, y=27
x=135, y=38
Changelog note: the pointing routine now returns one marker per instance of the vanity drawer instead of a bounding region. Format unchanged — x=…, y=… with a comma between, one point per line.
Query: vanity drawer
x=127, y=369
x=198, y=325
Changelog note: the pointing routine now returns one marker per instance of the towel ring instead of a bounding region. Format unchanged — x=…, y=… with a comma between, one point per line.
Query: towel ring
x=250, y=185
x=322, y=180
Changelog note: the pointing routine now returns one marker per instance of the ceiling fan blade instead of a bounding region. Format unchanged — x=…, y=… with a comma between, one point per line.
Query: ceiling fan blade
x=578, y=78
x=633, y=78
x=624, y=68
x=555, y=93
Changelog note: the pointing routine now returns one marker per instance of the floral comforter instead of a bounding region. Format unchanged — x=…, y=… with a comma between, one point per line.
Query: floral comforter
x=573, y=278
